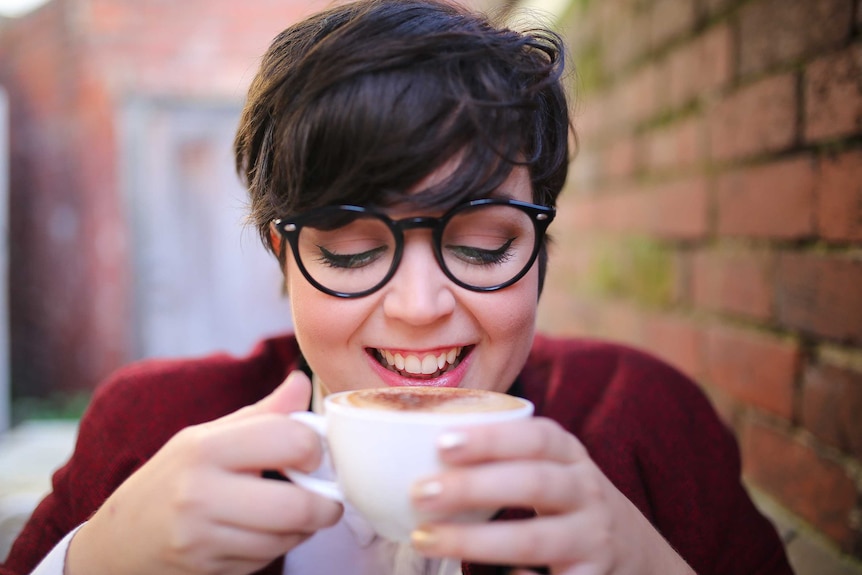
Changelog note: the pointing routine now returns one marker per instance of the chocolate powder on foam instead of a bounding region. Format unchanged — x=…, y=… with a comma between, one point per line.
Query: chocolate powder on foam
x=430, y=400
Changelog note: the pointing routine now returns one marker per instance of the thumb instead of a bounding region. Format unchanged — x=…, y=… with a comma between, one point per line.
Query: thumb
x=294, y=394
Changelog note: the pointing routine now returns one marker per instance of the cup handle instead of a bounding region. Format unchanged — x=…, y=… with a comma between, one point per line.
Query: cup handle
x=324, y=487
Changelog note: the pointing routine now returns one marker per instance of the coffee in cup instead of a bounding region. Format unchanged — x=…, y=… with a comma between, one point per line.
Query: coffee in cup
x=383, y=440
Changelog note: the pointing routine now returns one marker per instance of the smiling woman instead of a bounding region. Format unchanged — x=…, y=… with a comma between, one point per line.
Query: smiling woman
x=403, y=160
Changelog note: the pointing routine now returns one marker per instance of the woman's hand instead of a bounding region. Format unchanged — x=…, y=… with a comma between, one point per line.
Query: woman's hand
x=584, y=525
x=200, y=506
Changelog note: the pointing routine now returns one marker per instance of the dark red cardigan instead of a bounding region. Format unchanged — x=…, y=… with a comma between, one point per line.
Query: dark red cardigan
x=650, y=429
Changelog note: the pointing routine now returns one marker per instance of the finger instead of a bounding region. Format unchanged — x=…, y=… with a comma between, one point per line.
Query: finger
x=267, y=441
x=534, y=438
x=546, y=486
x=294, y=394
x=271, y=506
x=246, y=545
x=554, y=540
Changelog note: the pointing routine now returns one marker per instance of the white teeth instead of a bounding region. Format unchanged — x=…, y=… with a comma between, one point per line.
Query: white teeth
x=412, y=364
x=427, y=365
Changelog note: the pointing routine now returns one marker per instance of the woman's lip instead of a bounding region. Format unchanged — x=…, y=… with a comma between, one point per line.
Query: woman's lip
x=451, y=378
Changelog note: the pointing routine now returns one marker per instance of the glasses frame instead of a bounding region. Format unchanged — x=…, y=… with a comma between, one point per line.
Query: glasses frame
x=289, y=228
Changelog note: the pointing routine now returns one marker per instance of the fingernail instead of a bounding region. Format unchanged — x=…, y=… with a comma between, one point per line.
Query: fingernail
x=451, y=440
x=423, y=538
x=427, y=489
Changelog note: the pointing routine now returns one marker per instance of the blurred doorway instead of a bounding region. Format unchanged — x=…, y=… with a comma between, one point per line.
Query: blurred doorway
x=202, y=279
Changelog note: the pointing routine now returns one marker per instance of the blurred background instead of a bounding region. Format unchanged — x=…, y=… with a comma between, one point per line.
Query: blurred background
x=713, y=216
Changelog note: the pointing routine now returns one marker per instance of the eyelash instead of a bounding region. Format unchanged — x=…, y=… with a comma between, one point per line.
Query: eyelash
x=485, y=257
x=349, y=261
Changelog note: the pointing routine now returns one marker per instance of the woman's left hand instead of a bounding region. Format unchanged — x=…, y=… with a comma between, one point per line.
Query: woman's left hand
x=584, y=524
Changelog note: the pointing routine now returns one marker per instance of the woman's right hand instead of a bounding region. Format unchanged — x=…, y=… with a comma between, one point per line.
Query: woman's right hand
x=200, y=505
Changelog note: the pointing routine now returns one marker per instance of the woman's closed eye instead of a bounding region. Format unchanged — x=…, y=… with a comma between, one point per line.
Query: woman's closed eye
x=350, y=260
x=481, y=256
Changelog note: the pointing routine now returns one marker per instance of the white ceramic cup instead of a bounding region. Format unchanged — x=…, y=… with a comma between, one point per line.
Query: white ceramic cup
x=379, y=450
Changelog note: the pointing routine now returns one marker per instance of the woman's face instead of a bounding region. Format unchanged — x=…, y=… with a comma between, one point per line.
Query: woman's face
x=481, y=339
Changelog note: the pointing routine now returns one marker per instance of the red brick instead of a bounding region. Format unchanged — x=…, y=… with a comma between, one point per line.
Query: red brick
x=757, y=119
x=831, y=406
x=833, y=95
x=592, y=212
x=619, y=158
x=737, y=283
x=839, y=198
x=715, y=63
x=589, y=117
x=660, y=149
x=621, y=211
x=682, y=66
x=621, y=322
x=563, y=313
x=584, y=178
x=775, y=32
x=820, y=295
x=815, y=488
x=689, y=142
x=675, y=210
x=677, y=340
x=772, y=201
x=670, y=19
x=679, y=145
x=679, y=210
x=700, y=66
x=755, y=368
x=579, y=213
x=639, y=94
x=625, y=37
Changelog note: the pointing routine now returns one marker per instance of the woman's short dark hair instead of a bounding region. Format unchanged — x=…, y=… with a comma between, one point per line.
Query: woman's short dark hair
x=357, y=104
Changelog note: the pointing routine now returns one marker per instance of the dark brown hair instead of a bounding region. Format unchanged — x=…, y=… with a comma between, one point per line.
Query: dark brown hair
x=359, y=103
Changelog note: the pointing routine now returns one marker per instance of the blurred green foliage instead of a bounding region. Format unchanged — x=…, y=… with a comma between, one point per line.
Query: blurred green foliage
x=67, y=406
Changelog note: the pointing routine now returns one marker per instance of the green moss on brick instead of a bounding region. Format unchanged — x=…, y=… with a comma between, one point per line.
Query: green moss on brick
x=589, y=69
x=637, y=269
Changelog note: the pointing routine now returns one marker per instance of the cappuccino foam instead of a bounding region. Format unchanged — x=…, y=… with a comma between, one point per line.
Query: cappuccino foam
x=429, y=400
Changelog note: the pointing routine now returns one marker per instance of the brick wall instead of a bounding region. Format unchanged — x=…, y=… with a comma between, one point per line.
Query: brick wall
x=714, y=216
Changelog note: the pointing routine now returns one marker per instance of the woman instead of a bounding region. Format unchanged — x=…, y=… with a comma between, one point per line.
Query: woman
x=403, y=160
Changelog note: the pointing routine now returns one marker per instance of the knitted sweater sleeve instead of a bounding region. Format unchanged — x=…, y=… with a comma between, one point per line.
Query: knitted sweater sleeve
x=103, y=457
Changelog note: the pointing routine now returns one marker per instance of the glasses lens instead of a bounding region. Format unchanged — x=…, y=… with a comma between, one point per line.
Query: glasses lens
x=347, y=252
x=488, y=245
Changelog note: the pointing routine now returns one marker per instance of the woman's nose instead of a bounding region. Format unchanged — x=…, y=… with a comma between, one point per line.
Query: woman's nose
x=419, y=293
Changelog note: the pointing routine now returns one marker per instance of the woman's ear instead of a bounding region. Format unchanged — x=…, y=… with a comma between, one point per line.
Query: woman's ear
x=275, y=239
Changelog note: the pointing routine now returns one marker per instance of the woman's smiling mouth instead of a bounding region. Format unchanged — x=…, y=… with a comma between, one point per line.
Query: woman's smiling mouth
x=421, y=366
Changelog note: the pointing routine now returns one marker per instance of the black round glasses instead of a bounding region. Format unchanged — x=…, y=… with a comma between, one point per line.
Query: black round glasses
x=352, y=251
